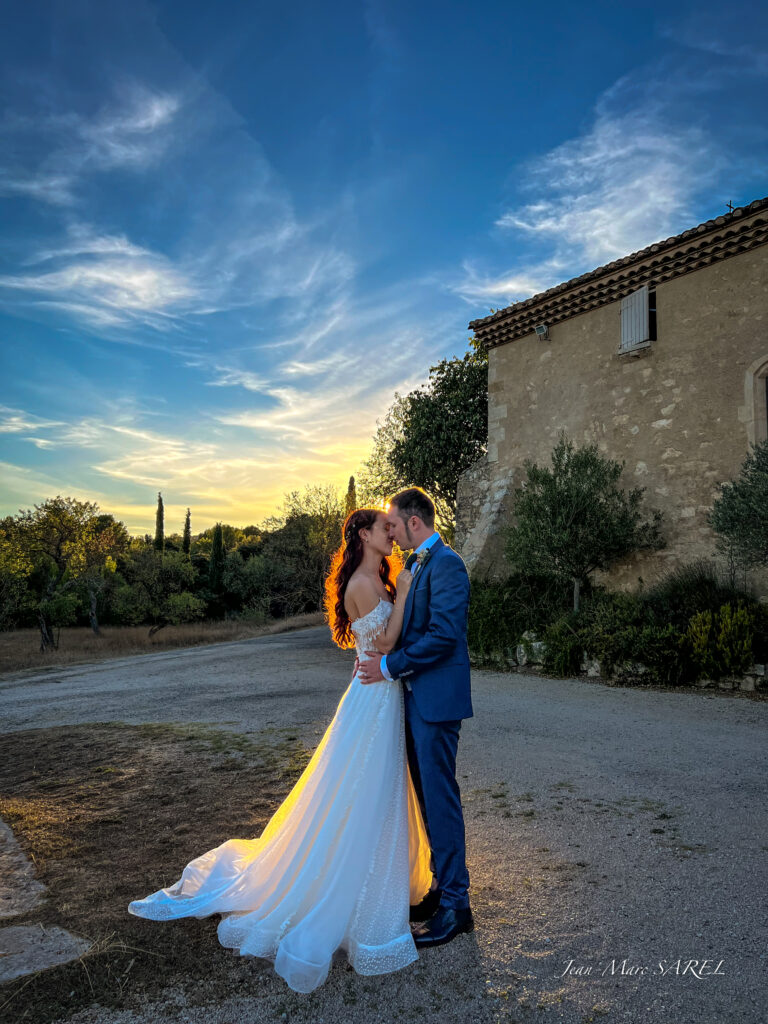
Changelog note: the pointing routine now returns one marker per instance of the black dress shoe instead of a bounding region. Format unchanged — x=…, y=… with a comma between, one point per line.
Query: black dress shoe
x=447, y=923
x=428, y=906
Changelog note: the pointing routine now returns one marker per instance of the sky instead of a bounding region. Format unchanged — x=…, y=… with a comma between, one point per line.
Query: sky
x=231, y=232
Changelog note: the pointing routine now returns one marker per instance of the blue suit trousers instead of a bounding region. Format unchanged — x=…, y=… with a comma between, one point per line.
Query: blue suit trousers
x=431, y=748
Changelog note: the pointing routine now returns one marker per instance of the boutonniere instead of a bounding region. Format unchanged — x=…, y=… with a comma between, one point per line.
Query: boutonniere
x=423, y=557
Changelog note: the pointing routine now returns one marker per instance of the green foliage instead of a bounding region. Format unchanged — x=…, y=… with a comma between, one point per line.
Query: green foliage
x=431, y=435
x=500, y=611
x=298, y=547
x=720, y=643
x=65, y=562
x=67, y=546
x=152, y=579
x=574, y=518
x=159, y=524
x=61, y=608
x=687, y=589
x=350, y=502
x=183, y=607
x=216, y=562
x=563, y=646
x=445, y=429
x=739, y=514
x=660, y=650
x=186, y=542
x=609, y=626
x=378, y=478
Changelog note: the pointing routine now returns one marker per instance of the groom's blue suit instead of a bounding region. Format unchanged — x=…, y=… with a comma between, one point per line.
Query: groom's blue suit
x=432, y=660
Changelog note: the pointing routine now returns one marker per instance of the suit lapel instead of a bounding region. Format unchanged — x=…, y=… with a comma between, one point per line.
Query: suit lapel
x=417, y=583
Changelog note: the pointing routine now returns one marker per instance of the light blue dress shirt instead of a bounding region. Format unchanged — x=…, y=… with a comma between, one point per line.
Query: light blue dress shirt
x=422, y=547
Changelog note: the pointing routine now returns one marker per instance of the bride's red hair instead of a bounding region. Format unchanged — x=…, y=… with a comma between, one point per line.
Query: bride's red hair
x=346, y=559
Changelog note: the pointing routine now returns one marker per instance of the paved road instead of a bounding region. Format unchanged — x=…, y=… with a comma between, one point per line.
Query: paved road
x=611, y=828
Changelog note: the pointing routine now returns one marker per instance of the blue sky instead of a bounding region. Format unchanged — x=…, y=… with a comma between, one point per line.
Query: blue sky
x=231, y=232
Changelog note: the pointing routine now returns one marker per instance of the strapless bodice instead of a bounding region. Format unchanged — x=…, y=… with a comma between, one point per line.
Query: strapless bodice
x=369, y=626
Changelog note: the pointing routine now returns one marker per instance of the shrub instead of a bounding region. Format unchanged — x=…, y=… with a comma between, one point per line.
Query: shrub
x=609, y=627
x=500, y=611
x=688, y=589
x=563, y=646
x=661, y=650
x=720, y=643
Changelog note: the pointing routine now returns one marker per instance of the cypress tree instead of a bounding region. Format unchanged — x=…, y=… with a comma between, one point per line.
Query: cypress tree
x=159, y=524
x=186, y=542
x=350, y=503
x=216, y=564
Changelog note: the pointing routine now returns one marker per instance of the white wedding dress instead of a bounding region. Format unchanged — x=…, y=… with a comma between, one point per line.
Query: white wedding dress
x=340, y=860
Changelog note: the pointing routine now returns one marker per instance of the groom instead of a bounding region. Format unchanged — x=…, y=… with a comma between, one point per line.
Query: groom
x=432, y=660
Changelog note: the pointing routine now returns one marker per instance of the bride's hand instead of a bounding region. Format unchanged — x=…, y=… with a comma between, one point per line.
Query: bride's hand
x=403, y=582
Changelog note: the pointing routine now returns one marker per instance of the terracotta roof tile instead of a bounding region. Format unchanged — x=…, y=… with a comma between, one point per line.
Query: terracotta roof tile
x=742, y=229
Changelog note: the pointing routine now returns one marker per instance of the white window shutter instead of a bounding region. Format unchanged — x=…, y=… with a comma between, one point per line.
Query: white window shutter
x=634, y=319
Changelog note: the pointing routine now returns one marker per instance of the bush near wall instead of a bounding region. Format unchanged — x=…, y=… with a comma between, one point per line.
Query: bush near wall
x=691, y=625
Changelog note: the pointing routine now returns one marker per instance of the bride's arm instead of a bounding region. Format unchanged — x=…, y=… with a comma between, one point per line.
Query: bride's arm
x=387, y=639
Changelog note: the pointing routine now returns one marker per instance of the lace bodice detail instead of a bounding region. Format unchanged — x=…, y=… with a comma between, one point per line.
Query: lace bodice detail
x=369, y=626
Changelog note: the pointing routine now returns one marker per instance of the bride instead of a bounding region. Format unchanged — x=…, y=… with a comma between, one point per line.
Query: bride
x=346, y=853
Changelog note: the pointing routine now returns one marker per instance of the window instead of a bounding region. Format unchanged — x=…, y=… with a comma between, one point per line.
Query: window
x=638, y=319
x=754, y=412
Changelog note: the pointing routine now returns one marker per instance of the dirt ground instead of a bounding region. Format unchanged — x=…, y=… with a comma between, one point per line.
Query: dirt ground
x=103, y=811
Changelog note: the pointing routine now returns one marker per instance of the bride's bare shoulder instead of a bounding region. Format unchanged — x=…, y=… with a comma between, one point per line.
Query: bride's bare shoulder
x=360, y=597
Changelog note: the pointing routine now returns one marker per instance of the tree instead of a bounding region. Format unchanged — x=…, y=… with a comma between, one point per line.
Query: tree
x=445, y=430
x=63, y=539
x=574, y=518
x=739, y=514
x=378, y=478
x=159, y=524
x=95, y=560
x=430, y=436
x=350, y=502
x=216, y=563
x=298, y=548
x=158, y=588
x=187, y=539
x=15, y=568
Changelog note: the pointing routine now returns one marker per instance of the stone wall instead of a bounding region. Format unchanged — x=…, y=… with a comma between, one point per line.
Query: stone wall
x=680, y=413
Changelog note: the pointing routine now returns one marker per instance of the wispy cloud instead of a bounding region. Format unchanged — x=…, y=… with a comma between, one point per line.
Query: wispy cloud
x=624, y=184
x=636, y=176
x=47, y=156
x=476, y=286
x=17, y=421
x=108, y=290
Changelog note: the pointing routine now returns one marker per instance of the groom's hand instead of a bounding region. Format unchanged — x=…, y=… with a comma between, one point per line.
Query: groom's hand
x=370, y=671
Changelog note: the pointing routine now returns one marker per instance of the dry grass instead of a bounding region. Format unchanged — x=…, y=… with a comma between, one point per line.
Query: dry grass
x=20, y=649
x=111, y=812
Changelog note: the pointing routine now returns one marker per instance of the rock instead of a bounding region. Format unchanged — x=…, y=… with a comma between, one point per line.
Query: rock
x=747, y=683
x=20, y=891
x=705, y=682
x=510, y=655
x=25, y=949
x=532, y=652
x=592, y=667
x=757, y=670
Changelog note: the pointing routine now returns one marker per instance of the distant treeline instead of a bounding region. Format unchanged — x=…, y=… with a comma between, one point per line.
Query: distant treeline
x=67, y=563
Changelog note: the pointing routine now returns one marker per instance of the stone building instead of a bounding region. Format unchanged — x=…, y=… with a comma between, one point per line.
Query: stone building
x=661, y=358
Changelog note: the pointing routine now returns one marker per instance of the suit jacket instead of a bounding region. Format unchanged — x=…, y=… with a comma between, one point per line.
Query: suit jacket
x=432, y=649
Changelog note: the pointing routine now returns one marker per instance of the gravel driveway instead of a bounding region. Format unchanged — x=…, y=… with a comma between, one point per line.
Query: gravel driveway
x=609, y=830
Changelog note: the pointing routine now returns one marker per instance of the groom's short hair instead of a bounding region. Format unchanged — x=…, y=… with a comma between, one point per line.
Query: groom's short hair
x=415, y=502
